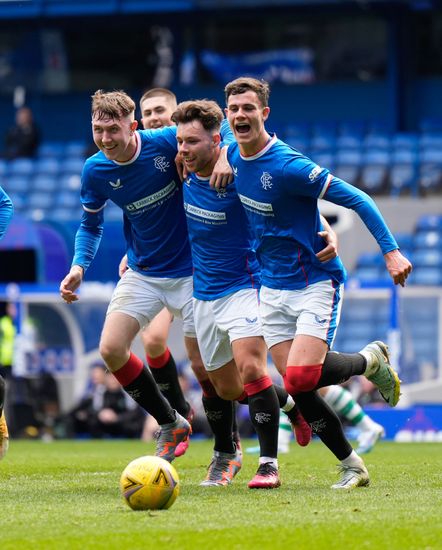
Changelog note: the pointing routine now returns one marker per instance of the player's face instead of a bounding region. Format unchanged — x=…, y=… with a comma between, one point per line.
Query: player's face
x=198, y=147
x=115, y=137
x=156, y=112
x=246, y=117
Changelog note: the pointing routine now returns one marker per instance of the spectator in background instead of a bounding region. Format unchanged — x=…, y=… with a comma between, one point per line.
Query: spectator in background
x=22, y=139
x=106, y=411
x=8, y=312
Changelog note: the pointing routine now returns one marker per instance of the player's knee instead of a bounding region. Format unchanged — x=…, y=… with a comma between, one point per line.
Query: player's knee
x=302, y=379
x=109, y=351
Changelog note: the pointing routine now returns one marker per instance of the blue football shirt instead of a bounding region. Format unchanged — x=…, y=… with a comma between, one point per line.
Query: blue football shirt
x=279, y=189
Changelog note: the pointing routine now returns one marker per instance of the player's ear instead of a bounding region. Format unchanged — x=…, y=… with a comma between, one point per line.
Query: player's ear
x=265, y=113
x=216, y=138
x=133, y=125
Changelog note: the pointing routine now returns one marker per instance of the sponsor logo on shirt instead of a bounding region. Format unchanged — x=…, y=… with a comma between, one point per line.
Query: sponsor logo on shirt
x=161, y=163
x=251, y=321
x=235, y=170
x=266, y=180
x=264, y=208
x=152, y=200
x=206, y=214
x=315, y=173
x=319, y=320
x=116, y=184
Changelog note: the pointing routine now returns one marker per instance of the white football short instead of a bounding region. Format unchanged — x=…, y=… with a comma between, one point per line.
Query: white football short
x=314, y=311
x=143, y=297
x=219, y=322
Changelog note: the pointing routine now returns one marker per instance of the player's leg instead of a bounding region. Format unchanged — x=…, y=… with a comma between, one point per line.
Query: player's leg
x=251, y=356
x=161, y=362
x=342, y=402
x=280, y=318
x=4, y=435
x=134, y=302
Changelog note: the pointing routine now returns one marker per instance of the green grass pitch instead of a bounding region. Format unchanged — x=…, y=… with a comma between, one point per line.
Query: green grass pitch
x=65, y=495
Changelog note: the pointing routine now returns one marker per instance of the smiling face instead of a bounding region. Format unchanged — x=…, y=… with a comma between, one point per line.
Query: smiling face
x=115, y=136
x=156, y=112
x=199, y=148
x=246, y=117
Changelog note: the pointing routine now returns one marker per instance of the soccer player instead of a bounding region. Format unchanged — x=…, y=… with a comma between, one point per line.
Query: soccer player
x=157, y=106
x=6, y=212
x=226, y=284
x=136, y=170
x=300, y=298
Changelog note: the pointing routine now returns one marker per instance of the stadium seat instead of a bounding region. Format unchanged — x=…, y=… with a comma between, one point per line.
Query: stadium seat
x=21, y=167
x=19, y=200
x=40, y=200
x=326, y=160
x=322, y=143
x=430, y=170
x=348, y=165
x=376, y=141
x=375, y=170
x=299, y=143
x=75, y=149
x=349, y=142
x=3, y=168
x=405, y=141
x=370, y=259
x=45, y=183
x=49, y=166
x=428, y=239
x=72, y=166
x=428, y=257
x=427, y=276
x=62, y=214
x=50, y=149
x=429, y=222
x=18, y=183
x=67, y=198
x=404, y=172
x=430, y=141
x=354, y=128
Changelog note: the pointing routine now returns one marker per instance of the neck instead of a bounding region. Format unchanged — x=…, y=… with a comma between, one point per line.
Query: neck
x=131, y=149
x=255, y=146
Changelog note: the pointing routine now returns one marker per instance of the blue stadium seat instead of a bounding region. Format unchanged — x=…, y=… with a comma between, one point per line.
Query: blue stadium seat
x=430, y=141
x=3, y=167
x=63, y=214
x=348, y=165
x=50, y=149
x=430, y=170
x=349, y=142
x=75, y=149
x=375, y=170
x=72, y=166
x=67, y=198
x=427, y=257
x=47, y=166
x=405, y=141
x=428, y=239
x=40, y=200
x=19, y=200
x=426, y=276
x=377, y=141
x=370, y=259
x=326, y=160
x=70, y=181
x=45, y=183
x=404, y=172
x=296, y=130
x=430, y=222
x=353, y=128
x=19, y=183
x=368, y=273
x=21, y=167
x=322, y=143
x=299, y=143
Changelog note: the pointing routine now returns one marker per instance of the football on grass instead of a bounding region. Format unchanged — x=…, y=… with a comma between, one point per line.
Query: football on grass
x=149, y=483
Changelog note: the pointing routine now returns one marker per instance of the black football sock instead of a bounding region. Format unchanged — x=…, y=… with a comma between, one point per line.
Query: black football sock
x=324, y=422
x=145, y=392
x=220, y=414
x=264, y=414
x=339, y=367
x=166, y=377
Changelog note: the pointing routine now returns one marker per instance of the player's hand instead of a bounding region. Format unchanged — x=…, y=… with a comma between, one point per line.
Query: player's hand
x=181, y=167
x=222, y=173
x=122, y=268
x=331, y=249
x=71, y=283
x=398, y=266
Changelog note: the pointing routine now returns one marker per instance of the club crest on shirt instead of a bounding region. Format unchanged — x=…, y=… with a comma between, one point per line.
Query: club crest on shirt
x=161, y=163
x=221, y=193
x=266, y=180
x=315, y=173
x=116, y=184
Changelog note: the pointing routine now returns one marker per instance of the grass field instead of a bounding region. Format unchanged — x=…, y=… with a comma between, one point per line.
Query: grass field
x=65, y=495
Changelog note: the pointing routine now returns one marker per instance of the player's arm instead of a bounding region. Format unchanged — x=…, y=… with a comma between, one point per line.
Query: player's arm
x=6, y=211
x=331, y=239
x=344, y=194
x=87, y=241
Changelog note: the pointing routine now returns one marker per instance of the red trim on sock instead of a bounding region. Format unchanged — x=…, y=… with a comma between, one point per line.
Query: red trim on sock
x=258, y=385
x=208, y=388
x=129, y=371
x=160, y=361
x=242, y=397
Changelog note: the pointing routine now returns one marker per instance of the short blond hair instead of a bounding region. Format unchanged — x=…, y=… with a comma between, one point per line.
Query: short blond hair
x=160, y=92
x=113, y=105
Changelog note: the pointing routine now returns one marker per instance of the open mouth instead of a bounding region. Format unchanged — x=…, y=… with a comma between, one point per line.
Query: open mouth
x=242, y=128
